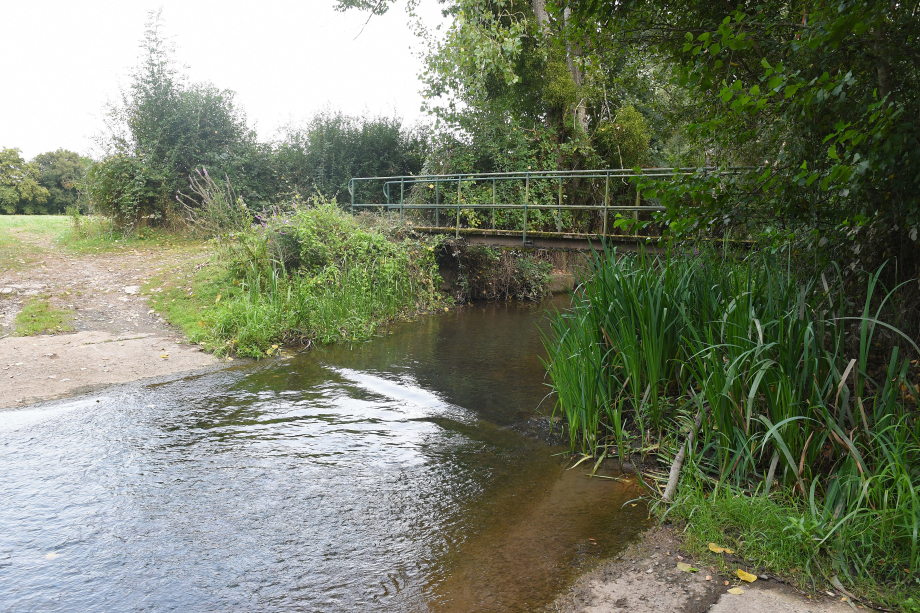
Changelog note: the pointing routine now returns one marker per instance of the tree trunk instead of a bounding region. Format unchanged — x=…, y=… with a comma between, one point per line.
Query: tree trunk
x=571, y=52
x=539, y=10
x=882, y=66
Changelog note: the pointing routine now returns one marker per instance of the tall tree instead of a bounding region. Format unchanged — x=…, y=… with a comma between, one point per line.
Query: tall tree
x=161, y=130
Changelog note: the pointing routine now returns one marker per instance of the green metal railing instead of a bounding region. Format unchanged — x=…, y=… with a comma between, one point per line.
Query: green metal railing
x=447, y=192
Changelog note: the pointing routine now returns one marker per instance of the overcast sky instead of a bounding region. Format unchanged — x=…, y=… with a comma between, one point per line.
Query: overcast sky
x=62, y=60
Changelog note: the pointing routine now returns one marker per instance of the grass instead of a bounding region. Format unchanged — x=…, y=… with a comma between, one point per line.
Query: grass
x=17, y=254
x=313, y=275
x=51, y=225
x=95, y=234
x=38, y=316
x=798, y=406
x=765, y=531
x=81, y=234
x=185, y=297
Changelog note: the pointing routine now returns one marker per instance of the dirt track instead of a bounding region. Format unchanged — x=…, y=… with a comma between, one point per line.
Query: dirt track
x=117, y=337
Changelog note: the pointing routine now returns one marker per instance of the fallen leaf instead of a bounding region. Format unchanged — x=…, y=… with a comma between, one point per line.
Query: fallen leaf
x=716, y=549
x=686, y=568
x=708, y=577
x=164, y=355
x=746, y=576
x=736, y=590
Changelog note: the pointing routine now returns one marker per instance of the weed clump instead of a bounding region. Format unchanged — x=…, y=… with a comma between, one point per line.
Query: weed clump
x=304, y=275
x=491, y=273
x=38, y=316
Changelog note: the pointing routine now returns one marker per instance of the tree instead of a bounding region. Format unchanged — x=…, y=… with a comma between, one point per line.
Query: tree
x=60, y=173
x=511, y=66
x=821, y=98
x=162, y=129
x=320, y=157
x=20, y=190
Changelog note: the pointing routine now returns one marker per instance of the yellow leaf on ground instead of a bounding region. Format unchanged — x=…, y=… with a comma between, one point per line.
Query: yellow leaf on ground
x=716, y=549
x=736, y=590
x=686, y=567
x=746, y=576
x=164, y=355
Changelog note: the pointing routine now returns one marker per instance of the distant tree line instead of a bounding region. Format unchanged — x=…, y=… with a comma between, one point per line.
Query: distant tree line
x=47, y=185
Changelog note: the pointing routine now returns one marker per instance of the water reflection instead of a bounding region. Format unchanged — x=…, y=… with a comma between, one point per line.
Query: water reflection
x=366, y=478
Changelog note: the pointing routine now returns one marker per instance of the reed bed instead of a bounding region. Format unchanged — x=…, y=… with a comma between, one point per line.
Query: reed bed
x=793, y=398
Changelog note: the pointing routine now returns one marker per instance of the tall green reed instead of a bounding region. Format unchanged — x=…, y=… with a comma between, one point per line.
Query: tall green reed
x=791, y=388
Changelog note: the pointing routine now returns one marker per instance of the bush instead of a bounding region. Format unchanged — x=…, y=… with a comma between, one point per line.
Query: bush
x=314, y=274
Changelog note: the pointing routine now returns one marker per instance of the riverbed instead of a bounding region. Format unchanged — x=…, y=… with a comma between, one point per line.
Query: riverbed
x=383, y=476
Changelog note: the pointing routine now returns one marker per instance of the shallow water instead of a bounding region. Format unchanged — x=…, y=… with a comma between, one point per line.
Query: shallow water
x=376, y=477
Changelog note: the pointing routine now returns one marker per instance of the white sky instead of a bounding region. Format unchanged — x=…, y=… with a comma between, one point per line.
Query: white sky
x=63, y=59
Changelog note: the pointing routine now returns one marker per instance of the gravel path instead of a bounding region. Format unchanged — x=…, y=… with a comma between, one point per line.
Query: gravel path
x=117, y=337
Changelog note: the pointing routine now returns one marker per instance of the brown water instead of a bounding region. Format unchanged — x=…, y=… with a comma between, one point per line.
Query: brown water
x=377, y=477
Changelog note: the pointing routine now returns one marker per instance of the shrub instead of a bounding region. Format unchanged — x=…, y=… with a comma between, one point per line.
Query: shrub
x=314, y=274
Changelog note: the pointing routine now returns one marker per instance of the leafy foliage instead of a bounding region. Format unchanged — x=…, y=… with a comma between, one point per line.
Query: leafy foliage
x=20, y=190
x=161, y=130
x=320, y=157
x=819, y=99
x=312, y=274
x=61, y=172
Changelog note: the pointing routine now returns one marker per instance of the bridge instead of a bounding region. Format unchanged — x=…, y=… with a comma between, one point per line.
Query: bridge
x=567, y=209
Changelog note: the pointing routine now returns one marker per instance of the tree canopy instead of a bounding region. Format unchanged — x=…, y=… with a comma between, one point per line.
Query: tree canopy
x=20, y=189
x=818, y=101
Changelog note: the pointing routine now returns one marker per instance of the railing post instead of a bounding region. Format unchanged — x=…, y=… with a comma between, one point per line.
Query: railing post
x=437, y=201
x=526, y=198
x=351, y=190
x=559, y=210
x=459, y=192
x=493, y=203
x=636, y=211
x=606, y=200
x=402, y=195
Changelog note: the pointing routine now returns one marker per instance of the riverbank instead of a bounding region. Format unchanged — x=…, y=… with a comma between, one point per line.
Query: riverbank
x=732, y=379
x=124, y=265
x=657, y=573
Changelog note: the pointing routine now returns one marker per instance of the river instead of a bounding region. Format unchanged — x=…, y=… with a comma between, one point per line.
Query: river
x=381, y=476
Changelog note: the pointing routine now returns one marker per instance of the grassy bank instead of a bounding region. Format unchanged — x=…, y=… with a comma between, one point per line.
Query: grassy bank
x=309, y=275
x=803, y=408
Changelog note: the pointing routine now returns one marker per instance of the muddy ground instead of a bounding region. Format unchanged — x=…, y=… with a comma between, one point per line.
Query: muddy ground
x=645, y=578
x=116, y=336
